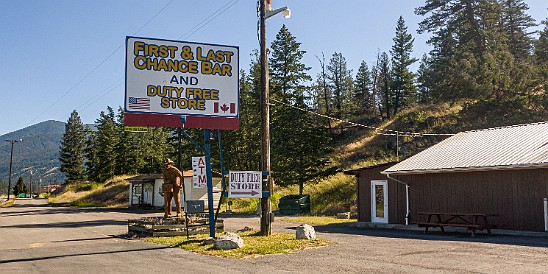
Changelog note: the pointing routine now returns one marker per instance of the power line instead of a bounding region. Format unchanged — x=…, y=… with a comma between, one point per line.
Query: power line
x=376, y=129
x=192, y=31
x=208, y=19
x=96, y=67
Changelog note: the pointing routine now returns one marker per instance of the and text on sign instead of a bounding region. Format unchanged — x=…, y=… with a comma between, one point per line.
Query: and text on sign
x=176, y=77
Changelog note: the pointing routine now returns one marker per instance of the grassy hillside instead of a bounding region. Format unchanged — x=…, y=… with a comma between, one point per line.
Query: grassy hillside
x=113, y=193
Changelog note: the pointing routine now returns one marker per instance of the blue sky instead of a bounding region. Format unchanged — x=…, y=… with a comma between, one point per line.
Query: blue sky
x=57, y=56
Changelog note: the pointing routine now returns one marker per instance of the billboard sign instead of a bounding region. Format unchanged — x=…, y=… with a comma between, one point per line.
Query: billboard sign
x=168, y=79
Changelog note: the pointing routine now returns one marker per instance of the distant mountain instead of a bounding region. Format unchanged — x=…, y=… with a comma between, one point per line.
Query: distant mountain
x=39, y=150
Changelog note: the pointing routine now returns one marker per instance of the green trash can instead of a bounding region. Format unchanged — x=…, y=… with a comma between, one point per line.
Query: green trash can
x=294, y=204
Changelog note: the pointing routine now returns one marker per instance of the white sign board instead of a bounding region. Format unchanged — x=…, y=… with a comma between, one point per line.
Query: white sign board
x=181, y=78
x=199, y=177
x=245, y=184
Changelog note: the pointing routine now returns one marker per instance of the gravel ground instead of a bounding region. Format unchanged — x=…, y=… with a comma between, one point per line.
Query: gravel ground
x=386, y=250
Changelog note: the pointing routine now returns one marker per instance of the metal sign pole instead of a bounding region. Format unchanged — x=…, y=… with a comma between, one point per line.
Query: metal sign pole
x=209, y=184
x=223, y=184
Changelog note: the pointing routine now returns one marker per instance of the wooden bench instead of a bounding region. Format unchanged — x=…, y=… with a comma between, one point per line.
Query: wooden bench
x=471, y=221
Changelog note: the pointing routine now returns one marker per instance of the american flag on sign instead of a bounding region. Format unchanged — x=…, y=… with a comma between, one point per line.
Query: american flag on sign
x=139, y=103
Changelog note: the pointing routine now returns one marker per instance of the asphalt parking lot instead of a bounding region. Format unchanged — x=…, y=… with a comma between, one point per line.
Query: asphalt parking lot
x=38, y=238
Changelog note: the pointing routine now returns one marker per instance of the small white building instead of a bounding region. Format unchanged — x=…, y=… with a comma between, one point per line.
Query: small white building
x=145, y=191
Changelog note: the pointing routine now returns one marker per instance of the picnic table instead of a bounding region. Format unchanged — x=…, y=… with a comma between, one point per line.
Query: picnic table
x=471, y=221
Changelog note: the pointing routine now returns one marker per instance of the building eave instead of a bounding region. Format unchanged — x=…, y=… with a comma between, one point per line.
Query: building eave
x=466, y=169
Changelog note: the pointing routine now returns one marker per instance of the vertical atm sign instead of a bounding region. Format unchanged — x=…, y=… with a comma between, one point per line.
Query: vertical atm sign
x=199, y=178
x=245, y=184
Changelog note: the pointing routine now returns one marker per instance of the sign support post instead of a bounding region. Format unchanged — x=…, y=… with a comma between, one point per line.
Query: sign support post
x=209, y=175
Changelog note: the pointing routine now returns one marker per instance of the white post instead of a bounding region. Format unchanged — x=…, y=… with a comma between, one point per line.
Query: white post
x=546, y=214
x=406, y=204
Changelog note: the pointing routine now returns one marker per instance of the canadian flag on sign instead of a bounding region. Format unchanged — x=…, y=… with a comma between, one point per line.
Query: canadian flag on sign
x=231, y=108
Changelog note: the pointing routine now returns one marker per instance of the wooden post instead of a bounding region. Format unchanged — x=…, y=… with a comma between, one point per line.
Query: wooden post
x=266, y=228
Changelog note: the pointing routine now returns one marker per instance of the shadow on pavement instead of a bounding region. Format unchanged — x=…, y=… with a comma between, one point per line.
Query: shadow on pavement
x=23, y=260
x=70, y=224
x=73, y=210
x=434, y=235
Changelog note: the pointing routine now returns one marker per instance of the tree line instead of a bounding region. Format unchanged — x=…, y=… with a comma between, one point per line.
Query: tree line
x=483, y=56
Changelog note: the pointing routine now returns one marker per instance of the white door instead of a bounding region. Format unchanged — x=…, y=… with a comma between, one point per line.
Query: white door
x=379, y=201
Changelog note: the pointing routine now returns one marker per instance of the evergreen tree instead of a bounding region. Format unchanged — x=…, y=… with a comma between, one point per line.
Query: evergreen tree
x=155, y=149
x=541, y=55
x=323, y=94
x=340, y=81
x=403, y=87
x=241, y=147
x=92, y=155
x=128, y=159
x=20, y=187
x=297, y=145
x=425, y=77
x=107, y=139
x=385, y=96
x=516, y=22
x=71, y=154
x=361, y=95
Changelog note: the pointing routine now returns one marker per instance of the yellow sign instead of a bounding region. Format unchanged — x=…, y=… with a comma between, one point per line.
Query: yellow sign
x=135, y=129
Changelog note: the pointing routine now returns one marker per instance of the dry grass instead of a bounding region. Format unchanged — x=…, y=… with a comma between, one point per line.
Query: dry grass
x=316, y=220
x=7, y=203
x=255, y=245
x=113, y=193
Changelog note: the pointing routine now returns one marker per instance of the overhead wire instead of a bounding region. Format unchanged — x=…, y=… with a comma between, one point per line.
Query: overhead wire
x=189, y=33
x=97, y=66
x=208, y=19
x=377, y=130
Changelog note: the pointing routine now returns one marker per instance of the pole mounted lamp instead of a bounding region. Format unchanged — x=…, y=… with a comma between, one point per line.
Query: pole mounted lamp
x=286, y=12
x=265, y=11
x=11, y=162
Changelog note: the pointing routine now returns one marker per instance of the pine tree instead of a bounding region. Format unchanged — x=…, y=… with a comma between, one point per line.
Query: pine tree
x=297, y=144
x=241, y=147
x=403, y=87
x=361, y=95
x=92, y=155
x=20, y=187
x=71, y=154
x=541, y=55
x=107, y=139
x=323, y=94
x=340, y=81
x=516, y=22
x=126, y=161
x=385, y=96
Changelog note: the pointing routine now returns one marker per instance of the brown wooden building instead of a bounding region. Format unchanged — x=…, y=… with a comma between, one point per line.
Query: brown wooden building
x=502, y=171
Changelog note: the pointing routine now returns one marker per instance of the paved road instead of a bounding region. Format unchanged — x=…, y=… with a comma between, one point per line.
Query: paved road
x=36, y=238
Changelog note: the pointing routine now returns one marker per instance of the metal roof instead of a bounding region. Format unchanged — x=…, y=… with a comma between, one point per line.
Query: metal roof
x=519, y=146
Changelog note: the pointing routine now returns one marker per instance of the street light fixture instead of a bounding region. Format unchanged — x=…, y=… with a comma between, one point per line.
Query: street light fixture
x=286, y=12
x=265, y=8
x=11, y=162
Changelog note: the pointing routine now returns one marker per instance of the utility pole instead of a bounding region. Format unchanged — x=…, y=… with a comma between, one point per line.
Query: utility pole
x=266, y=226
x=265, y=12
x=11, y=162
x=30, y=183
